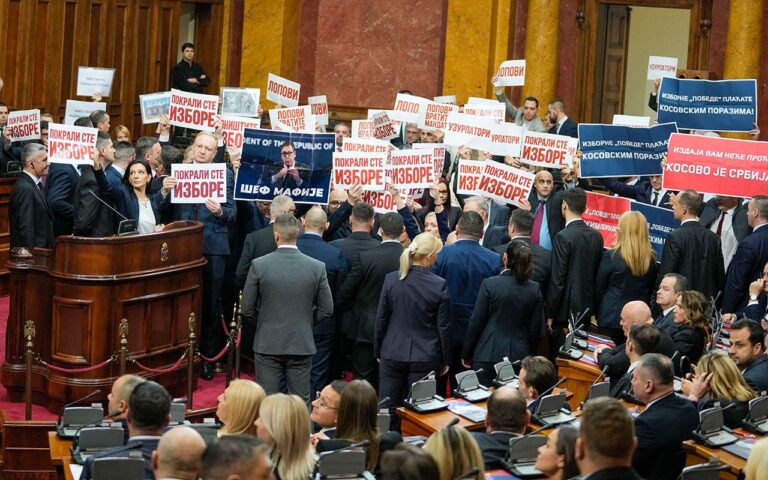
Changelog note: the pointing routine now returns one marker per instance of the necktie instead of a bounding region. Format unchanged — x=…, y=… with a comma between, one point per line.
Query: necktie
x=720, y=224
x=655, y=200
x=39, y=185
x=537, y=222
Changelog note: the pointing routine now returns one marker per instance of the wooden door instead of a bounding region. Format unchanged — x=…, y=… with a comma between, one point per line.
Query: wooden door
x=610, y=97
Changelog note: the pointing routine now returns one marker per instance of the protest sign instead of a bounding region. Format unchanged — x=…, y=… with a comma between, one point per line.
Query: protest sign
x=660, y=67
x=469, y=174
x=319, y=106
x=603, y=214
x=71, y=144
x=24, y=125
x=295, y=164
x=76, y=109
x=153, y=106
x=412, y=168
x=438, y=155
x=474, y=132
x=446, y=99
x=505, y=183
x=495, y=110
x=661, y=222
x=365, y=145
x=243, y=102
x=631, y=121
x=282, y=91
x=294, y=119
x=511, y=73
x=548, y=150
x=506, y=139
x=232, y=129
x=383, y=128
x=198, y=182
x=719, y=105
x=382, y=202
x=616, y=151
x=91, y=80
x=193, y=110
x=434, y=115
x=396, y=124
x=365, y=169
x=407, y=108
x=480, y=100
x=720, y=166
x=362, y=129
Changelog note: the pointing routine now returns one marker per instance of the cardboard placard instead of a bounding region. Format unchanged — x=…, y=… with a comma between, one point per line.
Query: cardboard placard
x=193, y=110
x=198, y=182
x=282, y=91
x=24, y=125
x=70, y=144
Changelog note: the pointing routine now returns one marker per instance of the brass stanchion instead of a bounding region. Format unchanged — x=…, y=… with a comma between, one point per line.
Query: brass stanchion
x=239, y=326
x=191, y=359
x=123, y=344
x=29, y=333
x=231, y=346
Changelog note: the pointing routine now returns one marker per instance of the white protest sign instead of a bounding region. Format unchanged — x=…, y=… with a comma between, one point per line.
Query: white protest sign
x=506, y=139
x=660, y=67
x=76, y=109
x=495, y=110
x=198, y=182
x=71, y=144
x=24, y=125
x=365, y=169
x=438, y=155
x=446, y=99
x=282, y=91
x=232, y=128
x=412, y=168
x=382, y=202
x=548, y=150
x=193, y=110
x=511, y=73
x=365, y=145
x=478, y=100
x=91, y=80
x=407, y=108
x=505, y=183
x=295, y=119
x=383, y=128
x=469, y=174
x=319, y=106
x=362, y=129
x=474, y=132
x=434, y=115
x=631, y=121
x=397, y=124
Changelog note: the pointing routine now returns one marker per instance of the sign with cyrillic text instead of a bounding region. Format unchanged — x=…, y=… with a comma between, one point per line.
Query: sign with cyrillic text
x=282, y=91
x=397, y=124
x=383, y=129
x=505, y=183
x=295, y=119
x=365, y=169
x=198, y=182
x=412, y=168
x=232, y=129
x=70, y=144
x=382, y=202
x=661, y=222
x=718, y=105
x=92, y=80
x=365, y=145
x=474, y=132
x=407, y=108
x=631, y=121
x=24, y=125
x=434, y=115
x=660, y=67
x=469, y=174
x=76, y=109
x=506, y=139
x=319, y=106
x=193, y=110
x=548, y=150
x=362, y=129
x=480, y=100
x=438, y=155
x=511, y=73
x=603, y=214
x=495, y=111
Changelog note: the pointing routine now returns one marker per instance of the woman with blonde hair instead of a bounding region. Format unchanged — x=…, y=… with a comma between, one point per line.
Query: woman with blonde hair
x=411, y=335
x=718, y=381
x=690, y=325
x=627, y=273
x=284, y=425
x=238, y=407
x=121, y=134
x=456, y=453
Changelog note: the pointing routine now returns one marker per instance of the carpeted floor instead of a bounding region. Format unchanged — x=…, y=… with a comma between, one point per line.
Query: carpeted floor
x=205, y=395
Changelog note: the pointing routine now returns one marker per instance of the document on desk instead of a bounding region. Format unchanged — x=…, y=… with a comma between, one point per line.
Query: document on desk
x=742, y=448
x=76, y=470
x=470, y=411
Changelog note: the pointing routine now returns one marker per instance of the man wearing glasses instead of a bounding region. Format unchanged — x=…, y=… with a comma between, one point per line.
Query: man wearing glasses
x=325, y=409
x=288, y=173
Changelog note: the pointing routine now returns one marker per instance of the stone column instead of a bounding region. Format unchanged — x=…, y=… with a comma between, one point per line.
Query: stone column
x=541, y=38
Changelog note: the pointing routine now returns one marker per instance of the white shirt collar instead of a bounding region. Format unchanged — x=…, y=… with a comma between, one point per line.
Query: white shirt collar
x=689, y=220
x=35, y=179
x=667, y=310
x=654, y=401
x=288, y=246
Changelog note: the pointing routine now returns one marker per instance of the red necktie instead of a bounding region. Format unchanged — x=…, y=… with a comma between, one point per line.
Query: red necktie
x=537, y=219
x=720, y=224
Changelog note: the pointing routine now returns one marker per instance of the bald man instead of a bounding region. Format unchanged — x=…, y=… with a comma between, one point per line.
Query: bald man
x=179, y=454
x=507, y=418
x=546, y=206
x=616, y=358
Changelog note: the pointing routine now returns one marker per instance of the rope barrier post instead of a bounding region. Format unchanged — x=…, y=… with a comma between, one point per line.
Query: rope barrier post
x=29, y=333
x=123, y=344
x=239, y=320
x=231, y=349
x=191, y=359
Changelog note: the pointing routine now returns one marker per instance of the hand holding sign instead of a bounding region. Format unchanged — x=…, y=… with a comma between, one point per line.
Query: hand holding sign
x=168, y=183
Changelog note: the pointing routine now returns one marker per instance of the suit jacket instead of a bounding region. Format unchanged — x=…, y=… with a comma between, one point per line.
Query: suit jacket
x=756, y=373
x=517, y=116
x=689, y=341
x=257, y=244
x=507, y=317
x=747, y=265
x=618, y=363
x=616, y=473
x=576, y=255
x=362, y=288
x=616, y=286
x=622, y=388
x=555, y=219
x=495, y=236
x=711, y=214
x=641, y=191
x=494, y=447
x=569, y=129
x=148, y=445
x=464, y=265
x=31, y=221
x=756, y=311
x=412, y=318
x=60, y=194
x=666, y=322
x=335, y=270
x=285, y=294
x=352, y=245
x=126, y=200
x=694, y=252
x=542, y=262
x=661, y=430
x=92, y=217
x=114, y=177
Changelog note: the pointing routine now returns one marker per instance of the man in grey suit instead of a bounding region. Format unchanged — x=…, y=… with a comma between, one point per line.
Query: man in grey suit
x=525, y=116
x=285, y=293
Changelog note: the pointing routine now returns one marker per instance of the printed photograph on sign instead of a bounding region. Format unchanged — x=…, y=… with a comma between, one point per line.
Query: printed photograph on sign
x=153, y=106
x=243, y=102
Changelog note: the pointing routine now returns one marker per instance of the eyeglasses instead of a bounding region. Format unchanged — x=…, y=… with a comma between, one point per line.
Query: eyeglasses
x=321, y=403
x=286, y=154
x=334, y=202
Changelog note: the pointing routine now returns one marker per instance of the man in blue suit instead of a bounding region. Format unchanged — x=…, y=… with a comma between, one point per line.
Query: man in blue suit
x=60, y=195
x=751, y=254
x=562, y=125
x=464, y=265
x=311, y=243
x=650, y=192
x=215, y=218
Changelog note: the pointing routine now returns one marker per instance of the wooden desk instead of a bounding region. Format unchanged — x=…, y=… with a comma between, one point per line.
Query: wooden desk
x=697, y=453
x=579, y=375
x=60, y=449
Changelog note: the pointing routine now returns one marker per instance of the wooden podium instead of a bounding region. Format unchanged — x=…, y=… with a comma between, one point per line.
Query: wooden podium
x=77, y=293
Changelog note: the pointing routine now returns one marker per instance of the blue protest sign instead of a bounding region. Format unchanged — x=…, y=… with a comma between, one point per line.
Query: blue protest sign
x=295, y=164
x=661, y=222
x=618, y=151
x=721, y=106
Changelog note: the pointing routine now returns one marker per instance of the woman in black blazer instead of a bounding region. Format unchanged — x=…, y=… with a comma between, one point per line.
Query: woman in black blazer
x=627, y=272
x=411, y=336
x=690, y=331
x=508, y=317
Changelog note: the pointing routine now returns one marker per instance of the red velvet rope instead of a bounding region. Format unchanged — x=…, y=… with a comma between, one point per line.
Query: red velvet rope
x=218, y=356
x=160, y=370
x=76, y=370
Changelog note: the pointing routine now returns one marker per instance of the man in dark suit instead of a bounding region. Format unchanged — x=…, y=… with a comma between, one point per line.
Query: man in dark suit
x=750, y=256
x=727, y=218
x=666, y=423
x=670, y=288
x=123, y=155
x=493, y=235
x=311, y=243
x=606, y=441
x=288, y=173
x=179, y=454
x=520, y=226
x=215, y=218
x=562, y=125
x=758, y=298
x=261, y=242
x=546, y=206
x=464, y=265
x=692, y=250
x=285, y=294
x=92, y=217
x=60, y=189
x=576, y=255
x=507, y=418
x=148, y=415
x=537, y=375
x=642, y=338
x=362, y=289
x=748, y=352
x=31, y=221
x=650, y=192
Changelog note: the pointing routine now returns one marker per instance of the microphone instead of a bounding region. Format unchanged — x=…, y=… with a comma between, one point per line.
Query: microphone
x=108, y=205
x=61, y=412
x=538, y=430
x=454, y=421
x=410, y=393
x=76, y=436
x=471, y=473
x=458, y=387
x=362, y=444
x=602, y=372
x=547, y=391
x=383, y=401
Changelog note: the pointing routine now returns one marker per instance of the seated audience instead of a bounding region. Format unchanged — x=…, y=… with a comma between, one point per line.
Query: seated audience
x=557, y=459
x=671, y=287
x=284, y=424
x=691, y=323
x=179, y=454
x=507, y=418
x=238, y=407
x=456, y=453
x=756, y=308
x=325, y=408
x=406, y=462
x=642, y=338
x=537, y=375
x=748, y=352
x=238, y=457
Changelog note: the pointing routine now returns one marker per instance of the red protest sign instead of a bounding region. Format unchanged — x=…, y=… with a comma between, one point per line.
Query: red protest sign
x=71, y=144
x=365, y=145
x=505, y=183
x=412, y=168
x=193, y=110
x=720, y=166
x=438, y=155
x=366, y=169
x=603, y=214
x=435, y=115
